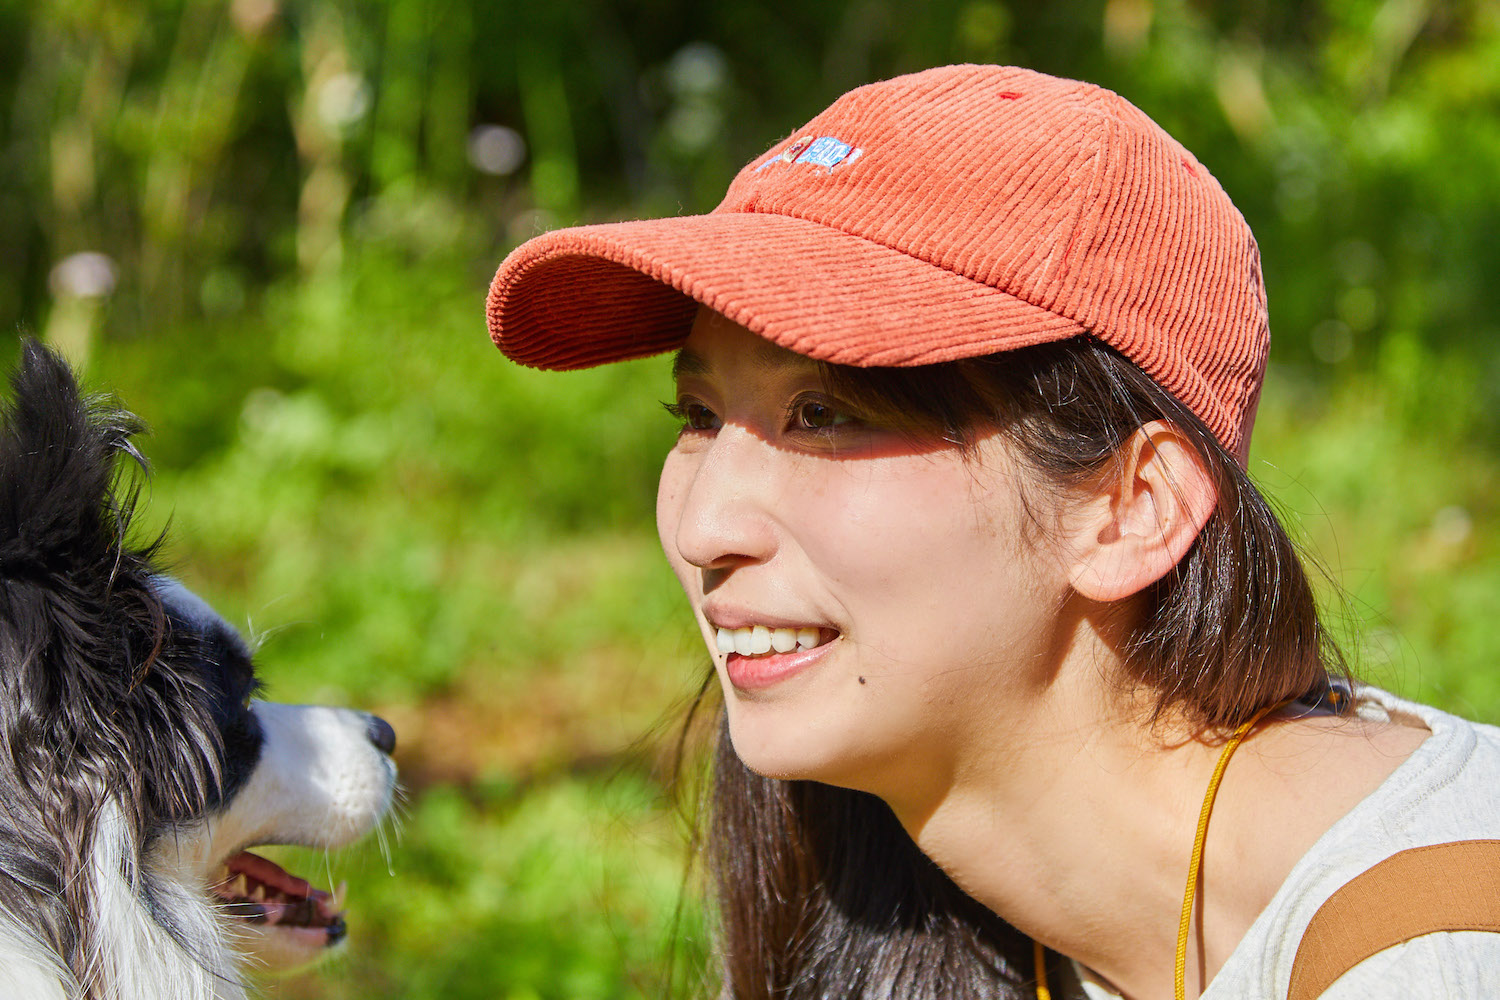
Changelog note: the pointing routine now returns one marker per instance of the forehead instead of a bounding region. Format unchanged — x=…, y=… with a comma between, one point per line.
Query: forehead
x=719, y=346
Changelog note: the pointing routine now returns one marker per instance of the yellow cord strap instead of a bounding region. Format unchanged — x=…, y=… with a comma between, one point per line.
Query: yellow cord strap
x=1179, y=974
x=1039, y=953
x=1039, y=959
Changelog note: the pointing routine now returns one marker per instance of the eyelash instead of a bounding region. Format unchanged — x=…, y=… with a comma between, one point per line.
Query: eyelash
x=692, y=414
x=838, y=416
x=685, y=411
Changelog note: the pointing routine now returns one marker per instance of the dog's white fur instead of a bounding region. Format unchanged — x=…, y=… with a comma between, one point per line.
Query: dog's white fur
x=320, y=783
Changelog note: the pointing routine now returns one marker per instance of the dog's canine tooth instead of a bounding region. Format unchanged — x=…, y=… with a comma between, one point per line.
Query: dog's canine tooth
x=258, y=893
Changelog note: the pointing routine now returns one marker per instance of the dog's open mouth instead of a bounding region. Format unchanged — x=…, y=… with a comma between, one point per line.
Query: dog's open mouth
x=259, y=891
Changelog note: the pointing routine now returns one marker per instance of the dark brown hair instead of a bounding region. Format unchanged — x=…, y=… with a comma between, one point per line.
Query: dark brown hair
x=820, y=892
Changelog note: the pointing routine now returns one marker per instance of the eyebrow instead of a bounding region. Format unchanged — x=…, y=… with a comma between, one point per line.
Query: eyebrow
x=767, y=357
x=686, y=363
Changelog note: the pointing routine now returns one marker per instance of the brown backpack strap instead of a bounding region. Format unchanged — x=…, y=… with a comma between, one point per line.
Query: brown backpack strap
x=1445, y=887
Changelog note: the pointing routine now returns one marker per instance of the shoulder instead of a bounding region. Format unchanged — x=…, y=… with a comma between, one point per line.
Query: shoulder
x=1447, y=790
x=1456, y=767
x=1458, y=764
x=1462, y=964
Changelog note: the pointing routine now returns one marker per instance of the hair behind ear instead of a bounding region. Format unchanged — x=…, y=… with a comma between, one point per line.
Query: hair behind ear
x=1233, y=626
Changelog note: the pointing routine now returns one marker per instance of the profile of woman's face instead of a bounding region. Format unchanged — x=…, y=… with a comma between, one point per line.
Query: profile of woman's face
x=875, y=607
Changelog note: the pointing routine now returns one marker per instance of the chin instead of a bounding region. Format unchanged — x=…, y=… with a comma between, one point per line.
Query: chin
x=140, y=774
x=773, y=743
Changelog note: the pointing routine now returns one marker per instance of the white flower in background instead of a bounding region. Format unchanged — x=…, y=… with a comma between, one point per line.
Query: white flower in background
x=698, y=69
x=343, y=99
x=86, y=275
x=496, y=150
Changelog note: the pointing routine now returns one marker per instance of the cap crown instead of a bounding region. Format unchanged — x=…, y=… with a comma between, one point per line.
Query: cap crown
x=947, y=214
x=1060, y=193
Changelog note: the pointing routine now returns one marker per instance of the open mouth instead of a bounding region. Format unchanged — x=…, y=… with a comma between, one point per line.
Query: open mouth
x=258, y=891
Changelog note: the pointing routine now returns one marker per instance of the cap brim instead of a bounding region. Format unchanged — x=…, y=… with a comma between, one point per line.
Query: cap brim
x=585, y=296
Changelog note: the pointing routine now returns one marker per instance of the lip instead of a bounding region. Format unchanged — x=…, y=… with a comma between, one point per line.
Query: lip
x=741, y=618
x=757, y=673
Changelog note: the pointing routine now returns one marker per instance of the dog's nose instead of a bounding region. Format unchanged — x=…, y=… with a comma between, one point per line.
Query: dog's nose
x=381, y=734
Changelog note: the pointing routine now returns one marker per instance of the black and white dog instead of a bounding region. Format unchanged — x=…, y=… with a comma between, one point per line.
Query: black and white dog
x=136, y=765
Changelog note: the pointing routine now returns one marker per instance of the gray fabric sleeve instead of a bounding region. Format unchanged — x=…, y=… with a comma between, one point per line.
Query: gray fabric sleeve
x=1462, y=966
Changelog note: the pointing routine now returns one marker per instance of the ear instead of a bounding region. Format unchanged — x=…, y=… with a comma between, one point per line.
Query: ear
x=1143, y=516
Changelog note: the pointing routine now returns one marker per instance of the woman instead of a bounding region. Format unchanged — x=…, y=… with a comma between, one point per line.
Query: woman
x=967, y=369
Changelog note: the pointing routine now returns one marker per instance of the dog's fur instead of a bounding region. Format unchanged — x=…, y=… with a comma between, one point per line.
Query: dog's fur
x=134, y=764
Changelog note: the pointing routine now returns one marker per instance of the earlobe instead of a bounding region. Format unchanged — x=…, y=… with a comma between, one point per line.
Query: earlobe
x=1144, y=515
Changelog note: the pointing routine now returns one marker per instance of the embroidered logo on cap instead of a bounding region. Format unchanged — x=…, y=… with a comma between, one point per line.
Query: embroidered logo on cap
x=823, y=151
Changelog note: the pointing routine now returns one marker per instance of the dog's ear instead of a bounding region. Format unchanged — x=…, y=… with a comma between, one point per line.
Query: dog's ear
x=78, y=618
x=58, y=455
x=99, y=690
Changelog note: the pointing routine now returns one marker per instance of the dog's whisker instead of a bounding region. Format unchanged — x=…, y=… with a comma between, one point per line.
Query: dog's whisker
x=260, y=637
x=328, y=867
x=385, y=849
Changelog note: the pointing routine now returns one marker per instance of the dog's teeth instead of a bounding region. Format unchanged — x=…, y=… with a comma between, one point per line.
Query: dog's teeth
x=258, y=893
x=239, y=887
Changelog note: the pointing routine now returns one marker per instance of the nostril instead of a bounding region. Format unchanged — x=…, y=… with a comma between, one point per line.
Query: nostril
x=381, y=734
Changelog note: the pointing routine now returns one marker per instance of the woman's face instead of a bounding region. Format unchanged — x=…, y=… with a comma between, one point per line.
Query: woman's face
x=876, y=608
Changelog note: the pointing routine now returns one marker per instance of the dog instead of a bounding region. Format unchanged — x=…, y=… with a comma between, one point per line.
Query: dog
x=137, y=766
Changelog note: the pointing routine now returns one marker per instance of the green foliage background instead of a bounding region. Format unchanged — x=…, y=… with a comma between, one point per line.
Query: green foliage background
x=300, y=203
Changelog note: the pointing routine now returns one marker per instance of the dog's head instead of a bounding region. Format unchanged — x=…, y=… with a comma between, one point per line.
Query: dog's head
x=135, y=765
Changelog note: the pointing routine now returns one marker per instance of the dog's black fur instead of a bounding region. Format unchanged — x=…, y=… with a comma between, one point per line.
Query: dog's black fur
x=100, y=695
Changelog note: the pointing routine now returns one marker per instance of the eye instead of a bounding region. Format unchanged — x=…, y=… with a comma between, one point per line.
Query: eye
x=253, y=691
x=816, y=414
x=694, y=415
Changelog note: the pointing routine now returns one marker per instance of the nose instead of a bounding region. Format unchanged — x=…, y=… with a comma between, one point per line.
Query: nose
x=713, y=505
x=381, y=734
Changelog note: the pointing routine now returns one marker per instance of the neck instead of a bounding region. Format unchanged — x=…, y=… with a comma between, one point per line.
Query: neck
x=1080, y=833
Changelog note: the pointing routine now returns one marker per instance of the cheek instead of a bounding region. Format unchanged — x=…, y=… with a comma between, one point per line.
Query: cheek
x=671, y=491
x=928, y=564
x=886, y=527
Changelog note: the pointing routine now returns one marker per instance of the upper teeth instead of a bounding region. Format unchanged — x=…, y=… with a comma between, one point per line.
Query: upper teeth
x=759, y=639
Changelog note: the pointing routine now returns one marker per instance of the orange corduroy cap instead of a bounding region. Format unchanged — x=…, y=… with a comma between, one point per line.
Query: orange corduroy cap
x=946, y=214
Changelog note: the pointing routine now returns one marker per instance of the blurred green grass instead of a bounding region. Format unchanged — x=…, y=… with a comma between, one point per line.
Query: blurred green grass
x=568, y=889
x=1395, y=496
x=299, y=215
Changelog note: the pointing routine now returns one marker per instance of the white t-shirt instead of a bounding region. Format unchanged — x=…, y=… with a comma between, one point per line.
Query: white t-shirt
x=1448, y=789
